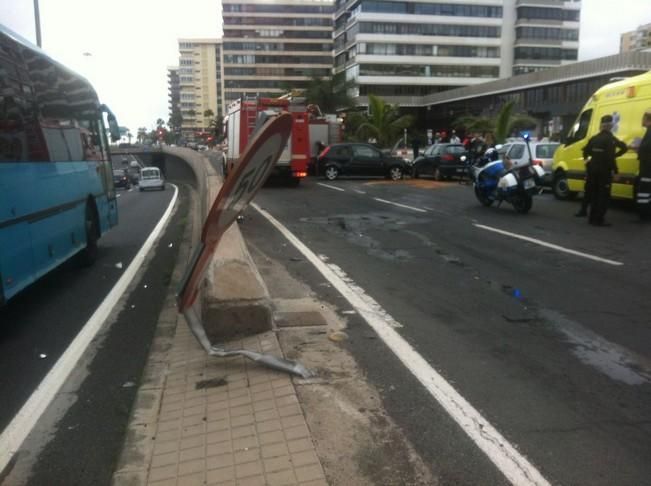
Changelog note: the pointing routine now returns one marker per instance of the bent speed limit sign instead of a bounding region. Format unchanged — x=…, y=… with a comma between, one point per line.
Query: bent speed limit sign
x=241, y=186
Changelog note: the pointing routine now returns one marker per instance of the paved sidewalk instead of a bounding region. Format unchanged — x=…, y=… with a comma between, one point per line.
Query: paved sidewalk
x=218, y=421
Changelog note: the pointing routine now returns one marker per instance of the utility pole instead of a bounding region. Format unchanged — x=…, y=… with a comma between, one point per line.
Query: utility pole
x=37, y=20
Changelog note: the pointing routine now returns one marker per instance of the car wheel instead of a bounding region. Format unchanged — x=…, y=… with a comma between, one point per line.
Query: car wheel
x=395, y=173
x=331, y=172
x=438, y=175
x=561, y=188
x=414, y=173
x=141, y=189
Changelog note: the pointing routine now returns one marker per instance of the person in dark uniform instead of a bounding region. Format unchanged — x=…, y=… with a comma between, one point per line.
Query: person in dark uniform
x=415, y=146
x=600, y=155
x=643, y=185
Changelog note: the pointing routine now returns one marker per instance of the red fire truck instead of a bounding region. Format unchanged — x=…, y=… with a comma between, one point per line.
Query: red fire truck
x=242, y=118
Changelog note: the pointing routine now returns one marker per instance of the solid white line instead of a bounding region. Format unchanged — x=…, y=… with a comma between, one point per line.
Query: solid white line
x=358, y=191
x=549, y=245
x=21, y=425
x=330, y=187
x=515, y=467
x=400, y=205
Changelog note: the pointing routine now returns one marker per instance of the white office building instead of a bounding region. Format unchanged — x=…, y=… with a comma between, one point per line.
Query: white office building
x=420, y=47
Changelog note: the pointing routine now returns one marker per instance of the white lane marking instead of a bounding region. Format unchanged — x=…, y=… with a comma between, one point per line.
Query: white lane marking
x=330, y=187
x=549, y=245
x=515, y=467
x=359, y=192
x=400, y=205
x=21, y=425
x=118, y=195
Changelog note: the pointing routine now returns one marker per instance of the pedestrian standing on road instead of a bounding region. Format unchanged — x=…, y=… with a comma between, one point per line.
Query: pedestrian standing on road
x=415, y=146
x=454, y=138
x=643, y=183
x=600, y=155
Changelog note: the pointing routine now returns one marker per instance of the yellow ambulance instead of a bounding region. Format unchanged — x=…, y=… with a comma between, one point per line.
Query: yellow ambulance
x=626, y=101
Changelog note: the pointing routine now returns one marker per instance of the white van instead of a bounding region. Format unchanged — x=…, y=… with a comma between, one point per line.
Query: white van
x=151, y=178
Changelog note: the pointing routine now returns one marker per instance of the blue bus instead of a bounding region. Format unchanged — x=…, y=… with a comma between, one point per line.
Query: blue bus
x=56, y=184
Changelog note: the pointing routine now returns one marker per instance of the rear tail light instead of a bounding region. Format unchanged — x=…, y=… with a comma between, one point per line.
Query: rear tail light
x=324, y=152
x=300, y=174
x=447, y=158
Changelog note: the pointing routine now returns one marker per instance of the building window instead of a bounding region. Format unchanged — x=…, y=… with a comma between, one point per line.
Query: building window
x=546, y=53
x=428, y=71
x=427, y=50
x=277, y=33
x=275, y=47
x=299, y=22
x=547, y=33
x=548, y=13
x=259, y=8
x=430, y=29
x=262, y=59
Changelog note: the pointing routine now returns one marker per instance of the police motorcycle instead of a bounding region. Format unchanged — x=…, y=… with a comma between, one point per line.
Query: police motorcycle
x=494, y=180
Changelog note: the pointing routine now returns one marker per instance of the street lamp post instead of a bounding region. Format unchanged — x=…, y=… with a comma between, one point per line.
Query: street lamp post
x=37, y=21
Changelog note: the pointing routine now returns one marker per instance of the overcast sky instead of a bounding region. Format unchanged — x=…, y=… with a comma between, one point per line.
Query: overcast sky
x=131, y=42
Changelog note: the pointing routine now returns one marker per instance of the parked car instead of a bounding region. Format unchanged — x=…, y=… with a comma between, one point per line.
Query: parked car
x=121, y=179
x=151, y=178
x=405, y=151
x=442, y=160
x=359, y=159
x=542, y=153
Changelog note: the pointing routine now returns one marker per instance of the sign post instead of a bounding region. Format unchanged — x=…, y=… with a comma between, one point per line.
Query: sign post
x=242, y=184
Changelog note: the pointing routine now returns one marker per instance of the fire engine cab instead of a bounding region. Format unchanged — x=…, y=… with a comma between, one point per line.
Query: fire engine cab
x=243, y=115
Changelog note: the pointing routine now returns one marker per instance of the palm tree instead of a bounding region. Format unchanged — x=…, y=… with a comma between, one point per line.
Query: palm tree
x=160, y=123
x=208, y=113
x=175, y=121
x=384, y=123
x=330, y=94
x=142, y=134
x=505, y=123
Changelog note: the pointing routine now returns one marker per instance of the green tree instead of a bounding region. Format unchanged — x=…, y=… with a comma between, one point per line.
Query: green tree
x=384, y=122
x=330, y=94
x=142, y=135
x=505, y=123
x=208, y=113
x=217, y=127
x=160, y=123
x=175, y=121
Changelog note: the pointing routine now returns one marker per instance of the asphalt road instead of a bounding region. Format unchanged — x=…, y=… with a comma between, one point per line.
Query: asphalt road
x=38, y=325
x=552, y=347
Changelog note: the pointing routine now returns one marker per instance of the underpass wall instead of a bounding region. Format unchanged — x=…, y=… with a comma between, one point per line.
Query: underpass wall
x=234, y=300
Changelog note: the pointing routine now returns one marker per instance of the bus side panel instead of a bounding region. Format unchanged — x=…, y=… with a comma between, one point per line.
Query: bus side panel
x=60, y=232
x=16, y=261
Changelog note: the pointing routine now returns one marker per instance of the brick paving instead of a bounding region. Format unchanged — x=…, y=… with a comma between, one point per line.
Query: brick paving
x=225, y=421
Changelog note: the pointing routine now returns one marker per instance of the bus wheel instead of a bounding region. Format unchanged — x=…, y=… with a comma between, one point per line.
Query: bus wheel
x=88, y=255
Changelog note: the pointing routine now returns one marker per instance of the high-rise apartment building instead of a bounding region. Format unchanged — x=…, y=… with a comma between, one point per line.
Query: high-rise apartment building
x=636, y=40
x=273, y=46
x=200, y=82
x=174, y=90
x=418, y=47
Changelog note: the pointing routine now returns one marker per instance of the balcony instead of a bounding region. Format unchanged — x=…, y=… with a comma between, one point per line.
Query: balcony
x=540, y=3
